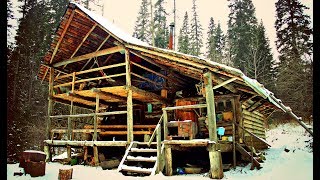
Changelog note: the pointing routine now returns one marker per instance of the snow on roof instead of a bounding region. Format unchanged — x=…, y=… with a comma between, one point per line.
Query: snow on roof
x=110, y=26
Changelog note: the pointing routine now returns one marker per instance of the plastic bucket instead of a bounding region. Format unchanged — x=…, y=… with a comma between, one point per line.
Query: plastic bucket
x=149, y=107
x=221, y=131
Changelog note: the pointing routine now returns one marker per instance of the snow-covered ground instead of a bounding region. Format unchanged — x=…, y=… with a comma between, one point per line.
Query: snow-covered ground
x=295, y=164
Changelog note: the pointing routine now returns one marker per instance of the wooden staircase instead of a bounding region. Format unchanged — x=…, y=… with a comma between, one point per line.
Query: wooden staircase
x=248, y=155
x=139, y=159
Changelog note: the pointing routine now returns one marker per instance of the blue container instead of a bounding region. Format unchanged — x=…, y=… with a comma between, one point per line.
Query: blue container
x=221, y=131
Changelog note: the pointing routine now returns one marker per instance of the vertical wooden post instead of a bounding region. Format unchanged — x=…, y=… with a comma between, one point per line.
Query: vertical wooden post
x=85, y=154
x=165, y=124
x=50, y=110
x=69, y=121
x=69, y=152
x=158, y=148
x=234, y=133
x=129, y=98
x=168, y=160
x=95, y=135
x=95, y=155
x=214, y=155
x=239, y=117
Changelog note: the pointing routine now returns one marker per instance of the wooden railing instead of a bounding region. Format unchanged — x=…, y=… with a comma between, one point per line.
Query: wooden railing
x=253, y=135
x=74, y=74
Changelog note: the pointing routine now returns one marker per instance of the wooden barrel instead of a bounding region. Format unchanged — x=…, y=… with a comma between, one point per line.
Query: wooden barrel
x=185, y=114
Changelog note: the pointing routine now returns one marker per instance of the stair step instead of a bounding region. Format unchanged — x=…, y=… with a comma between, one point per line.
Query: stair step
x=140, y=158
x=143, y=150
x=136, y=169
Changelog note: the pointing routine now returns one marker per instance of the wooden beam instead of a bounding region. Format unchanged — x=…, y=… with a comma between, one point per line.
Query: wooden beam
x=84, y=39
x=165, y=124
x=129, y=98
x=85, y=143
x=168, y=160
x=62, y=35
x=224, y=83
x=50, y=102
x=90, y=115
x=89, y=55
x=107, y=94
x=104, y=41
x=185, y=107
x=146, y=79
x=158, y=65
x=216, y=170
x=65, y=102
x=218, y=80
x=96, y=118
x=159, y=155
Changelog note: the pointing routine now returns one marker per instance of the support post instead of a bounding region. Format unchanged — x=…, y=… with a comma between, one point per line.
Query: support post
x=158, y=149
x=95, y=135
x=234, y=133
x=95, y=155
x=165, y=124
x=69, y=152
x=50, y=110
x=168, y=160
x=216, y=170
x=129, y=98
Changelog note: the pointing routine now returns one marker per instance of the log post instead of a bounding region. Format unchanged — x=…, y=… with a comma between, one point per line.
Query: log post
x=129, y=98
x=85, y=154
x=216, y=170
x=65, y=174
x=158, y=149
x=165, y=124
x=168, y=160
x=69, y=152
x=95, y=135
x=95, y=155
x=50, y=110
x=239, y=118
x=234, y=133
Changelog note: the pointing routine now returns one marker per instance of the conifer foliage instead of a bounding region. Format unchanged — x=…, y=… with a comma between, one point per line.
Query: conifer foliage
x=294, y=81
x=195, y=32
x=183, y=39
x=161, y=33
x=215, y=42
x=142, y=29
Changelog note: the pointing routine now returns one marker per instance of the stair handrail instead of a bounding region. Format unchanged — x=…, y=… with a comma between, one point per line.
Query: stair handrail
x=250, y=133
x=155, y=130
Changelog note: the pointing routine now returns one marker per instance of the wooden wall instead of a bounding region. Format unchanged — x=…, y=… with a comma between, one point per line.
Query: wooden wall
x=255, y=123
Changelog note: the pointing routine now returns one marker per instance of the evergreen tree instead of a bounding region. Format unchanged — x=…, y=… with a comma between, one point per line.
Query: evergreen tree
x=142, y=29
x=161, y=32
x=215, y=42
x=210, y=40
x=261, y=66
x=196, y=32
x=294, y=81
x=26, y=96
x=241, y=27
x=183, y=39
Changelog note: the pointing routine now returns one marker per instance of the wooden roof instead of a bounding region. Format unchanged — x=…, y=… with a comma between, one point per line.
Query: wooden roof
x=82, y=32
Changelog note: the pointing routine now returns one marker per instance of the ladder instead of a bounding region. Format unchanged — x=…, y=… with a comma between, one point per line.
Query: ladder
x=139, y=159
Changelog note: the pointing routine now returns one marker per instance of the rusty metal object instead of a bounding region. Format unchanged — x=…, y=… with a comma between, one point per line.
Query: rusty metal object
x=33, y=163
x=35, y=169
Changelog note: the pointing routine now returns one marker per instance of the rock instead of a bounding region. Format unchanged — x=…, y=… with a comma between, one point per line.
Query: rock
x=286, y=150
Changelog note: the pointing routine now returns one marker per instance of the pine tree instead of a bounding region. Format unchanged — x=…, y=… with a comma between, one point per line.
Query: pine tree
x=294, y=81
x=215, y=42
x=261, y=66
x=210, y=40
x=161, y=32
x=196, y=32
x=142, y=29
x=26, y=96
x=241, y=27
x=183, y=39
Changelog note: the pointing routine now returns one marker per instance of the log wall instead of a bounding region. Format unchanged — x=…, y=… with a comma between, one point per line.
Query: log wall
x=255, y=123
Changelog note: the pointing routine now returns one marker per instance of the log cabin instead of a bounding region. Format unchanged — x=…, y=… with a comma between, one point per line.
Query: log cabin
x=153, y=102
